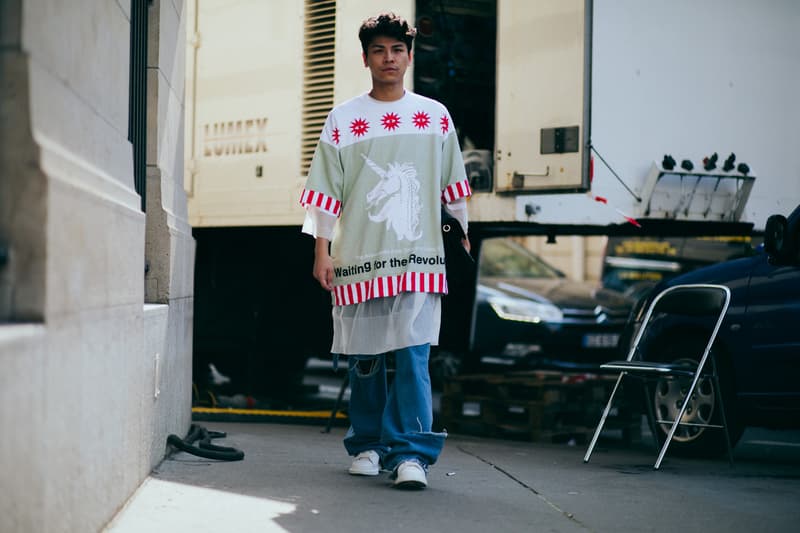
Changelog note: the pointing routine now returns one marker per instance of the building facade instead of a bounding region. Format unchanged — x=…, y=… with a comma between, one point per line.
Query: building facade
x=96, y=255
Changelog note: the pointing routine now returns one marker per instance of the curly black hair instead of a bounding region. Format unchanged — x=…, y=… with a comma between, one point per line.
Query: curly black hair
x=388, y=25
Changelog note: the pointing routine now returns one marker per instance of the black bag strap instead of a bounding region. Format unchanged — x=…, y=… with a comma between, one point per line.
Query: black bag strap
x=451, y=224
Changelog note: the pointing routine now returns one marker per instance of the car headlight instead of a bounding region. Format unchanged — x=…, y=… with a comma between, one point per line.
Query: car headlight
x=524, y=310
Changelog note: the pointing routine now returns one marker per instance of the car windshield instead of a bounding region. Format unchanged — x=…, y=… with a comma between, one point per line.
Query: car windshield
x=502, y=257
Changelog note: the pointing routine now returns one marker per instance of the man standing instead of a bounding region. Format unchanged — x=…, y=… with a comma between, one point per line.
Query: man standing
x=385, y=163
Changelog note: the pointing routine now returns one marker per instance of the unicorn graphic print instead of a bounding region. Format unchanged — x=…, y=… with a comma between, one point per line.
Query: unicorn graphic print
x=395, y=199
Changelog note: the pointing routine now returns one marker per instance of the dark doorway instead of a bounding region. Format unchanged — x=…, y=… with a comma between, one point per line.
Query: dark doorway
x=454, y=63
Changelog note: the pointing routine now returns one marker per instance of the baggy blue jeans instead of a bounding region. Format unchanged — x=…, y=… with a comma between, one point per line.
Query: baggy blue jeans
x=395, y=422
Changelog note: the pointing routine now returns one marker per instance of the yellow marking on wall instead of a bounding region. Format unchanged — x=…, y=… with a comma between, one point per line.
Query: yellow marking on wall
x=265, y=412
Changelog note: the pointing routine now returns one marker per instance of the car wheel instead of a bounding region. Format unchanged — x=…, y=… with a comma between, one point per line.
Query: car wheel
x=667, y=395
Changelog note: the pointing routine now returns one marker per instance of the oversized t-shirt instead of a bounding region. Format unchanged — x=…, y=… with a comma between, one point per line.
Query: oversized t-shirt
x=384, y=168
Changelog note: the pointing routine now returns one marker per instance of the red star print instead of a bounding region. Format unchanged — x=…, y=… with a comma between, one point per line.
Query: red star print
x=335, y=135
x=445, y=123
x=359, y=127
x=390, y=121
x=421, y=120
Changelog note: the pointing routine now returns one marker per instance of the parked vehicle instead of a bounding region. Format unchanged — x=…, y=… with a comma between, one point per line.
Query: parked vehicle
x=757, y=348
x=634, y=265
x=530, y=315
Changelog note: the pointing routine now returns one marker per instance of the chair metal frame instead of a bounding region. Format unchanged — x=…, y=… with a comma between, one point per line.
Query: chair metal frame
x=653, y=370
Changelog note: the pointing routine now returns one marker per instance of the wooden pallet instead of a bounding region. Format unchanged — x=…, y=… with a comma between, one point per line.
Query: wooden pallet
x=537, y=406
x=540, y=385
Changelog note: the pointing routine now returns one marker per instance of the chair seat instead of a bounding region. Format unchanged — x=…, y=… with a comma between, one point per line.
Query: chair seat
x=647, y=367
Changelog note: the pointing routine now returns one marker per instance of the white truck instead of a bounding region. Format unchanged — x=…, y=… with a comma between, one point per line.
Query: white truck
x=565, y=111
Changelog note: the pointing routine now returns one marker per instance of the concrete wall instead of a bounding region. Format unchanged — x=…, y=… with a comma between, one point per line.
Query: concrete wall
x=579, y=258
x=96, y=369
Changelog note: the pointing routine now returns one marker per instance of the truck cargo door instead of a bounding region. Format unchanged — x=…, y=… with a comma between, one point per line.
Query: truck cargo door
x=542, y=101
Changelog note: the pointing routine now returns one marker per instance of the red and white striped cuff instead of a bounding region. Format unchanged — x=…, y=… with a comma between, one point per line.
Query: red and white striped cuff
x=323, y=201
x=381, y=287
x=455, y=191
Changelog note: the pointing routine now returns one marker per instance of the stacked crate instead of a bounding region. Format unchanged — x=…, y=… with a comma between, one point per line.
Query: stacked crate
x=537, y=406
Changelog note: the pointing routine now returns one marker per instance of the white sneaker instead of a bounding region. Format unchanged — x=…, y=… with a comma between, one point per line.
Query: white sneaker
x=410, y=475
x=366, y=463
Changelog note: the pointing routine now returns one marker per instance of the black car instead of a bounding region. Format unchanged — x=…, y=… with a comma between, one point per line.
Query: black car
x=757, y=348
x=530, y=315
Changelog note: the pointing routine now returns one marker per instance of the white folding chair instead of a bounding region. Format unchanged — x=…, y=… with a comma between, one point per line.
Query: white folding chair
x=698, y=301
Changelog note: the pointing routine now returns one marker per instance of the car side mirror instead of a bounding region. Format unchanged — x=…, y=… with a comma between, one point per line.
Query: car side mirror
x=775, y=236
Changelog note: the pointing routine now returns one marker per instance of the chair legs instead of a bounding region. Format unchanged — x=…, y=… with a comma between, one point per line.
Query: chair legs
x=662, y=450
x=602, y=419
x=678, y=418
x=728, y=444
x=686, y=400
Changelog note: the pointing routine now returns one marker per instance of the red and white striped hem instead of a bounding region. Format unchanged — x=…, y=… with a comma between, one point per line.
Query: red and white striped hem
x=455, y=191
x=384, y=286
x=323, y=201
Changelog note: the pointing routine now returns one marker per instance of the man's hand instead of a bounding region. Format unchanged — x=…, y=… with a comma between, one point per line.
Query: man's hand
x=323, y=264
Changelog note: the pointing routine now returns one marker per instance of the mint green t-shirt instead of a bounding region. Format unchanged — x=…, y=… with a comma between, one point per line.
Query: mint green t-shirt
x=384, y=168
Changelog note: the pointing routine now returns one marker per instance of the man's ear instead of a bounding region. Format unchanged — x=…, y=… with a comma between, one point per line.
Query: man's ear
x=364, y=57
x=410, y=56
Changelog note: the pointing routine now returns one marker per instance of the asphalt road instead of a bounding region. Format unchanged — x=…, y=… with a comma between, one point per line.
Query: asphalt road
x=293, y=478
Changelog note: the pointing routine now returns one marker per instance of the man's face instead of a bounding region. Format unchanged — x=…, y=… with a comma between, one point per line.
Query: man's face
x=387, y=59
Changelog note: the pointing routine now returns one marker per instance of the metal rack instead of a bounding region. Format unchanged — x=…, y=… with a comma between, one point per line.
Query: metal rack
x=690, y=184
